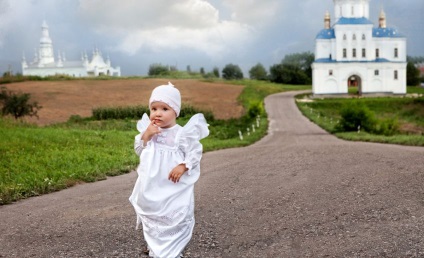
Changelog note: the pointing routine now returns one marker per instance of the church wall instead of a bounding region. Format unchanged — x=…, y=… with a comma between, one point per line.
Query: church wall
x=43, y=72
x=387, y=47
x=350, y=37
x=323, y=48
x=337, y=82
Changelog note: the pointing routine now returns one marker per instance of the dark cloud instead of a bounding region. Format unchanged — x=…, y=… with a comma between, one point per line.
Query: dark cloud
x=137, y=33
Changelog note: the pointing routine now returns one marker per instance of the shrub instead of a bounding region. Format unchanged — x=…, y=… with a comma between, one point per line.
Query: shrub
x=256, y=108
x=354, y=114
x=17, y=104
x=387, y=127
x=136, y=112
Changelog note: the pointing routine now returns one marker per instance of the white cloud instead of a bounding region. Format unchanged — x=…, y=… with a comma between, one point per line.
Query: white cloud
x=161, y=25
x=254, y=12
x=10, y=13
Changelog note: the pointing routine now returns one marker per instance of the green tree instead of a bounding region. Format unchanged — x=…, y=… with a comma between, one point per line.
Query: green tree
x=293, y=69
x=288, y=74
x=232, y=72
x=17, y=104
x=158, y=69
x=216, y=72
x=202, y=71
x=412, y=75
x=258, y=72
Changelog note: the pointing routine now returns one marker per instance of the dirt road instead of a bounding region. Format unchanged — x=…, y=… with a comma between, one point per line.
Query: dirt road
x=299, y=192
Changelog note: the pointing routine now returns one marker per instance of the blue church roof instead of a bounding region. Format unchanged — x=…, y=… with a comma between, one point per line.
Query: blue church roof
x=328, y=60
x=326, y=34
x=386, y=33
x=353, y=21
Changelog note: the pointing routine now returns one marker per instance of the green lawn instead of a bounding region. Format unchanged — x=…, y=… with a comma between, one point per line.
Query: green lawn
x=407, y=111
x=38, y=160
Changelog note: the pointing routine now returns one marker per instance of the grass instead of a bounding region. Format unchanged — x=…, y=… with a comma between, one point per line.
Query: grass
x=408, y=112
x=38, y=160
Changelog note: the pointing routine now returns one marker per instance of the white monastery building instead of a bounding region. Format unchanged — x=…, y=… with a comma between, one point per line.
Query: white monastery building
x=352, y=52
x=45, y=64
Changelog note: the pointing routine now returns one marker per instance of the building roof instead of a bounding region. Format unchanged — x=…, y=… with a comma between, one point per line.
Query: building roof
x=326, y=34
x=386, y=33
x=328, y=60
x=353, y=21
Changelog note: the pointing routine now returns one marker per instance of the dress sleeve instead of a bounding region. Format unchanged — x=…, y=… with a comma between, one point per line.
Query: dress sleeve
x=142, y=125
x=195, y=130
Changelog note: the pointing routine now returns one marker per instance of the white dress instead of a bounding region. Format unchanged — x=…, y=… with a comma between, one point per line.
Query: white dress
x=164, y=208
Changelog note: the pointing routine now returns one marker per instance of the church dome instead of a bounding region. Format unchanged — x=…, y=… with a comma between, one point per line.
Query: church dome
x=326, y=34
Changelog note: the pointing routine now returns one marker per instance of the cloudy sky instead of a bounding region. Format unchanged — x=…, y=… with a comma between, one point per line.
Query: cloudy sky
x=199, y=33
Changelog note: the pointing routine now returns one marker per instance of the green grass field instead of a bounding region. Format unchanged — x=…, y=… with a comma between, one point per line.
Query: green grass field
x=408, y=112
x=38, y=160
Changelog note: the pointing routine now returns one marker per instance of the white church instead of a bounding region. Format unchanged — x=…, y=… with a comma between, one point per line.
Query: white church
x=45, y=64
x=354, y=53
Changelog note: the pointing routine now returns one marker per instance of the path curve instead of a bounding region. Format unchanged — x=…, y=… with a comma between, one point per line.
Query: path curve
x=298, y=192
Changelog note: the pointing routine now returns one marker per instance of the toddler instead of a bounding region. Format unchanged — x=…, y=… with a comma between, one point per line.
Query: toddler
x=163, y=195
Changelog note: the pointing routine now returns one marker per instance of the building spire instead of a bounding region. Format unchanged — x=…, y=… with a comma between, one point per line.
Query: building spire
x=327, y=20
x=382, y=19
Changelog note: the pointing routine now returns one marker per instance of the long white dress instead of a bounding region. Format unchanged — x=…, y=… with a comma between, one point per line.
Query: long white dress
x=164, y=208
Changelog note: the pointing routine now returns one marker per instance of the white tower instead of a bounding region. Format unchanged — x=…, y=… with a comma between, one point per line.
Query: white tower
x=351, y=8
x=46, y=55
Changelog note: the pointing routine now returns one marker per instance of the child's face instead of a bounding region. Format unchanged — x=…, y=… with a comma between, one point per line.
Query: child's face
x=162, y=115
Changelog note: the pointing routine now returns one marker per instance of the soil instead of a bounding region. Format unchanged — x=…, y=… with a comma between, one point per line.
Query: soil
x=61, y=99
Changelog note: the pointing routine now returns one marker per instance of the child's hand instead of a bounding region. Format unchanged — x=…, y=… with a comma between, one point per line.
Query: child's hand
x=151, y=130
x=177, y=173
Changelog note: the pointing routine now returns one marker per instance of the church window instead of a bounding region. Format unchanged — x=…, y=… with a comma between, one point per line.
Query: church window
x=396, y=53
x=396, y=74
x=344, y=53
x=344, y=37
x=330, y=72
x=377, y=53
x=364, y=53
x=363, y=36
x=354, y=37
x=353, y=10
x=354, y=52
x=376, y=72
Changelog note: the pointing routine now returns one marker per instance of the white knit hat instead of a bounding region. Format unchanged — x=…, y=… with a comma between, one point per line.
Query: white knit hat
x=167, y=94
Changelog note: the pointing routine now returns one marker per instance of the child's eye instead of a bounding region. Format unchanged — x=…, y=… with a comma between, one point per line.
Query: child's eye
x=165, y=109
x=154, y=109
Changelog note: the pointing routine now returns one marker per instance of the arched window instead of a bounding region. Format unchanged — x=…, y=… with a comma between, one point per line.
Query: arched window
x=344, y=36
x=354, y=37
x=363, y=36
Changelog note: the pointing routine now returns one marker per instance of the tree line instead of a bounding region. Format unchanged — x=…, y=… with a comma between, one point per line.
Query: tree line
x=295, y=69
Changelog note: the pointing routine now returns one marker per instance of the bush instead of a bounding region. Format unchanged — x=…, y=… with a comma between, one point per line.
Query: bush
x=354, y=114
x=387, y=127
x=17, y=104
x=256, y=108
x=136, y=112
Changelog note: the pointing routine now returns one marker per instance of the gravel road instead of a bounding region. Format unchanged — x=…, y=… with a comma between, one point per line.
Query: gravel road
x=299, y=192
